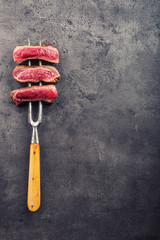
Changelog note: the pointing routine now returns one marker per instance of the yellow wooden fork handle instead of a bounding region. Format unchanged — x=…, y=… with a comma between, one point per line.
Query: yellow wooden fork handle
x=34, y=190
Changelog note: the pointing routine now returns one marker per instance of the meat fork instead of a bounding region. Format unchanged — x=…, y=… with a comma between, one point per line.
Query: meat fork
x=34, y=189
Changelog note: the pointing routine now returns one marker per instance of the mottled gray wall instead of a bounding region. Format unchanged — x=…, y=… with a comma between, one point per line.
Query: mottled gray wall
x=100, y=140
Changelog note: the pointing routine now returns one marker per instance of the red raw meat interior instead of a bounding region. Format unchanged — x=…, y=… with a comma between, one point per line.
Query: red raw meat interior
x=44, y=52
x=39, y=93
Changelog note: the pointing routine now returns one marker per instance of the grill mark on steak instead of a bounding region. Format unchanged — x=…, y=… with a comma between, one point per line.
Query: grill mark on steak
x=46, y=93
x=45, y=73
x=45, y=52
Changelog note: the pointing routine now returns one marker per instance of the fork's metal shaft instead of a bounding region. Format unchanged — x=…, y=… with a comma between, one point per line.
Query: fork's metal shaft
x=35, y=138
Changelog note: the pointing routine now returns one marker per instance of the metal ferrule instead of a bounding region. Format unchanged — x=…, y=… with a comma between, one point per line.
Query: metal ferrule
x=34, y=138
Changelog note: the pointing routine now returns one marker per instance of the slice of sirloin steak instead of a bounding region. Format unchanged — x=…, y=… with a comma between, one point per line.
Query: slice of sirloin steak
x=47, y=93
x=45, y=73
x=45, y=52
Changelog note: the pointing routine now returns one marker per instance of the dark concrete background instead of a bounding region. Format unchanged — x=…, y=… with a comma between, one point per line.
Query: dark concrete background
x=100, y=140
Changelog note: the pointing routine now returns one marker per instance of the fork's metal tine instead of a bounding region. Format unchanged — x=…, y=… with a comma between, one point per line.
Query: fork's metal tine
x=29, y=85
x=40, y=84
x=29, y=41
x=30, y=112
x=40, y=113
x=29, y=62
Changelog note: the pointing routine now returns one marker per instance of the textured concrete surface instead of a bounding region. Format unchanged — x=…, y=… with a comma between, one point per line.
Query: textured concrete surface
x=100, y=141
